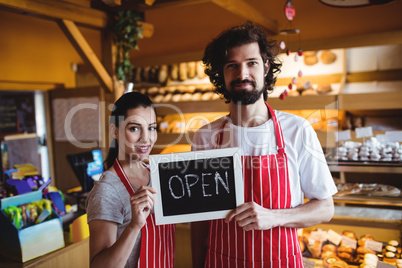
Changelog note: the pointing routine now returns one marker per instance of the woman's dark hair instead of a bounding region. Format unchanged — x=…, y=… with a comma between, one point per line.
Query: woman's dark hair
x=216, y=52
x=126, y=102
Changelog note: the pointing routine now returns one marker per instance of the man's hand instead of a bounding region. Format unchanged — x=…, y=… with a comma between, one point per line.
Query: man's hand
x=251, y=216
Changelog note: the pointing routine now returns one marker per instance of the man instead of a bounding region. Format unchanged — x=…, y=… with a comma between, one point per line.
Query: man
x=282, y=161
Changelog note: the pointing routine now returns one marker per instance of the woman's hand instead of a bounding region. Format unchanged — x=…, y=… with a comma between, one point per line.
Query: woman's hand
x=142, y=202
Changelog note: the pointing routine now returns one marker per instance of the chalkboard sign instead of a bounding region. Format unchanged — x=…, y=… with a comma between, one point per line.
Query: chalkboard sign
x=196, y=186
x=17, y=110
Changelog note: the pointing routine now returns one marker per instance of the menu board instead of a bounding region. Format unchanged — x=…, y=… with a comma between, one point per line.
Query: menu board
x=17, y=111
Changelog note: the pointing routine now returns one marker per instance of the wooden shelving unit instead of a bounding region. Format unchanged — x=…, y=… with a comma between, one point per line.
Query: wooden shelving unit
x=371, y=101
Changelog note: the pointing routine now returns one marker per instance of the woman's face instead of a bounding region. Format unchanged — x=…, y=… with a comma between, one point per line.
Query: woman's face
x=137, y=134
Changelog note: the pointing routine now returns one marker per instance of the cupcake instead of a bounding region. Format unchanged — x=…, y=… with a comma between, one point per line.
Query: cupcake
x=389, y=257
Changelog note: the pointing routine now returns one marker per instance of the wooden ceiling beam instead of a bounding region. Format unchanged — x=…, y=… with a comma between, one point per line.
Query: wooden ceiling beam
x=142, y=6
x=55, y=10
x=245, y=10
x=83, y=48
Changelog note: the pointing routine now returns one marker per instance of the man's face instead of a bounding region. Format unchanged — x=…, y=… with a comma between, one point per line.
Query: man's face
x=244, y=73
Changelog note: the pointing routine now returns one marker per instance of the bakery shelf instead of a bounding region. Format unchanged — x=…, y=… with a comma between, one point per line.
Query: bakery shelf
x=366, y=168
x=302, y=102
x=369, y=200
x=289, y=103
x=191, y=107
x=170, y=139
x=371, y=101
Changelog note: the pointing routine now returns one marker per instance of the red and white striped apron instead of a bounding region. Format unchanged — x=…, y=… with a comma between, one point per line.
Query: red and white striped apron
x=266, y=182
x=157, y=241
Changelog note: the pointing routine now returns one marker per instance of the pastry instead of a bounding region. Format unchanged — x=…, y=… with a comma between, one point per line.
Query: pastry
x=364, y=250
x=174, y=72
x=327, y=254
x=191, y=69
x=168, y=97
x=327, y=261
x=207, y=96
x=395, y=244
x=327, y=57
x=309, y=92
x=349, y=234
x=348, y=257
x=338, y=264
x=153, y=74
x=343, y=248
x=329, y=247
x=176, y=97
x=171, y=89
x=362, y=240
x=183, y=71
x=163, y=74
x=190, y=89
x=162, y=91
x=152, y=91
x=200, y=70
x=370, y=260
x=196, y=96
x=310, y=57
x=324, y=89
x=390, y=248
x=216, y=97
x=158, y=98
x=389, y=257
x=181, y=89
x=186, y=97
x=293, y=93
x=145, y=73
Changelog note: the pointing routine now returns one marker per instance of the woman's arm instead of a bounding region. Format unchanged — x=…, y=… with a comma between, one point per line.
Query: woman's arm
x=104, y=249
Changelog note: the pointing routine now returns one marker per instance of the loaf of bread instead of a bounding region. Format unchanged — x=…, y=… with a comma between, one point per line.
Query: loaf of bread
x=183, y=71
x=192, y=69
x=163, y=74
x=186, y=97
x=174, y=72
x=200, y=70
x=310, y=57
x=327, y=57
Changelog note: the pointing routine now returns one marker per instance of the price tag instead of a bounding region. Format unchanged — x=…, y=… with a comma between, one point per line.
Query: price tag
x=334, y=237
x=349, y=242
x=393, y=136
x=363, y=132
x=381, y=138
x=342, y=135
x=381, y=264
x=373, y=245
x=180, y=125
x=308, y=263
x=163, y=125
x=318, y=235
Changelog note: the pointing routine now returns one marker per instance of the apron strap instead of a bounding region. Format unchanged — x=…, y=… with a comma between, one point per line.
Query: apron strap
x=277, y=126
x=278, y=131
x=123, y=177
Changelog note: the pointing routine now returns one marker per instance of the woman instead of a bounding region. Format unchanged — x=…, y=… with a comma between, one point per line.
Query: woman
x=119, y=207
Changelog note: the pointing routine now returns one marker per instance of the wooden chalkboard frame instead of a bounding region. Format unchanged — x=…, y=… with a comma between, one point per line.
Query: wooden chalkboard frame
x=204, y=155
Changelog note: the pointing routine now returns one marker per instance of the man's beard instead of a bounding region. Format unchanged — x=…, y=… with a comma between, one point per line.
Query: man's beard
x=243, y=96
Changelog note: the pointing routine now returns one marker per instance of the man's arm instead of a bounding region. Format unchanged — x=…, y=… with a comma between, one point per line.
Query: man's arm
x=199, y=242
x=251, y=216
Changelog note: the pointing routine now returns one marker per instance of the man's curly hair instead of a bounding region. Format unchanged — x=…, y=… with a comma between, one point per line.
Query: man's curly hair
x=216, y=52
